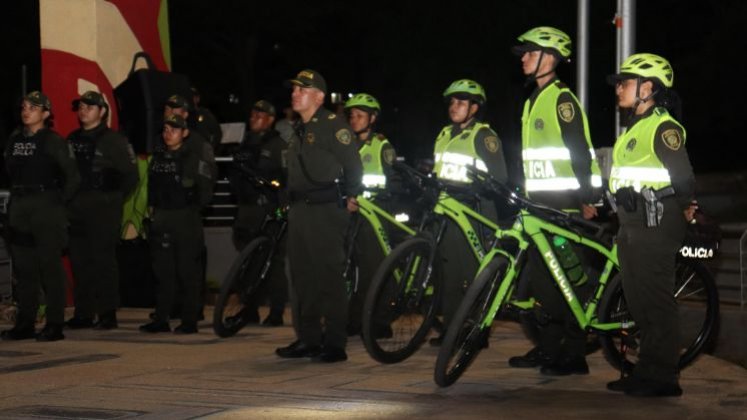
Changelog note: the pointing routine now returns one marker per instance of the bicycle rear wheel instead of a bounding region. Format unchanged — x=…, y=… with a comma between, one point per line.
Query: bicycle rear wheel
x=698, y=304
x=240, y=288
x=400, y=304
x=467, y=335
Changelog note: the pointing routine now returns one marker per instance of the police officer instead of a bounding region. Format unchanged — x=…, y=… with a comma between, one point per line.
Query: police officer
x=178, y=105
x=465, y=140
x=651, y=155
x=377, y=156
x=205, y=122
x=180, y=184
x=108, y=170
x=324, y=176
x=261, y=153
x=43, y=177
x=560, y=171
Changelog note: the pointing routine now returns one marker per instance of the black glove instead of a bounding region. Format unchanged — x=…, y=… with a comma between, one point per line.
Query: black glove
x=627, y=198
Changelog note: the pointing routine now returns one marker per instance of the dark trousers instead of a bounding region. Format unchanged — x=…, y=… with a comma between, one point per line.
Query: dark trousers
x=316, y=240
x=176, y=246
x=95, y=220
x=460, y=263
x=39, y=234
x=560, y=335
x=647, y=265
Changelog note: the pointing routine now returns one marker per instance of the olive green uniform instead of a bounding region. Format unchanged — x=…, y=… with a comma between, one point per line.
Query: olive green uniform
x=325, y=150
x=180, y=184
x=43, y=176
x=368, y=252
x=459, y=261
x=648, y=254
x=560, y=336
x=208, y=126
x=263, y=153
x=108, y=170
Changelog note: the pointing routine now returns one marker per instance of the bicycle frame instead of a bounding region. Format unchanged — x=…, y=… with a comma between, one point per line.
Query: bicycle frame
x=461, y=214
x=529, y=229
x=374, y=215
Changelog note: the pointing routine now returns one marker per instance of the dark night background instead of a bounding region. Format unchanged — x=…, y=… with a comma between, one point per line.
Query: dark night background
x=406, y=53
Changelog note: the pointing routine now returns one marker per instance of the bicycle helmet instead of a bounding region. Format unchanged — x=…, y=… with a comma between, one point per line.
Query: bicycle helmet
x=645, y=66
x=546, y=38
x=364, y=101
x=466, y=89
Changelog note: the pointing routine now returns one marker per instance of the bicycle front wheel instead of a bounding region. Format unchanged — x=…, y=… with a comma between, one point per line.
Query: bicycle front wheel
x=401, y=301
x=697, y=300
x=240, y=288
x=467, y=334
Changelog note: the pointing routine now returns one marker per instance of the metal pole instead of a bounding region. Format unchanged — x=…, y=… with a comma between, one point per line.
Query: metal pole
x=625, y=24
x=582, y=42
x=24, y=81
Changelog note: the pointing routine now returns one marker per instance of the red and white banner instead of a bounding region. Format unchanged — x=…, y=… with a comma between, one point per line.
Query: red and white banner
x=89, y=45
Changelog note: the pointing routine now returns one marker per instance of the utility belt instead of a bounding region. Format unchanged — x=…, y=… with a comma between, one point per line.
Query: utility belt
x=106, y=180
x=320, y=196
x=31, y=189
x=628, y=199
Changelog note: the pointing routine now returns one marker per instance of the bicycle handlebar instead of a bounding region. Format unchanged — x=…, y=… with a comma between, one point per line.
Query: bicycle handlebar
x=256, y=179
x=537, y=209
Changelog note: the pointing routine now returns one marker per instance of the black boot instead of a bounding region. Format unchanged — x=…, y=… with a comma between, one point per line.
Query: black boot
x=50, y=332
x=19, y=333
x=534, y=358
x=76, y=323
x=107, y=321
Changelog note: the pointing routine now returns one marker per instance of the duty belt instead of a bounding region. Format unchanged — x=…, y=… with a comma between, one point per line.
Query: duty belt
x=26, y=190
x=326, y=195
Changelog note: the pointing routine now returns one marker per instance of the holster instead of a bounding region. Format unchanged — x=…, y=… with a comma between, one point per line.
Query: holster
x=654, y=207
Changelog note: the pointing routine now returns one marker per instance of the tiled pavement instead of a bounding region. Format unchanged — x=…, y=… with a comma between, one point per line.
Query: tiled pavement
x=127, y=374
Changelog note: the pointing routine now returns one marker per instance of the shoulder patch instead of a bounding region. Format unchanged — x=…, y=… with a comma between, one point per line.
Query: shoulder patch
x=331, y=116
x=672, y=139
x=491, y=143
x=203, y=168
x=389, y=155
x=566, y=111
x=343, y=136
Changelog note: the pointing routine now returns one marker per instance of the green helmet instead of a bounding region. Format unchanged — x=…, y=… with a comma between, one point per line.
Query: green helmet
x=550, y=38
x=648, y=66
x=365, y=101
x=468, y=88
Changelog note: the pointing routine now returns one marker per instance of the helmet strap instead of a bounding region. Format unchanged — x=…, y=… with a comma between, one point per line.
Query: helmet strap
x=638, y=99
x=534, y=76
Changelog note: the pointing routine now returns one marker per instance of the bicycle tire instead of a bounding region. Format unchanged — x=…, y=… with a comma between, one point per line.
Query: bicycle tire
x=397, y=318
x=239, y=287
x=465, y=335
x=698, y=303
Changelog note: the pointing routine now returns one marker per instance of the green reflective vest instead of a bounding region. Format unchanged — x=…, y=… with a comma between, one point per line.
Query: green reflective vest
x=135, y=209
x=634, y=161
x=452, y=154
x=373, y=167
x=547, y=161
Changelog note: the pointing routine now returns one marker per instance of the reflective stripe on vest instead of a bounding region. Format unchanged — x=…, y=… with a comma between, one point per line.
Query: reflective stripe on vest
x=547, y=162
x=539, y=167
x=634, y=161
x=453, y=154
x=373, y=168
